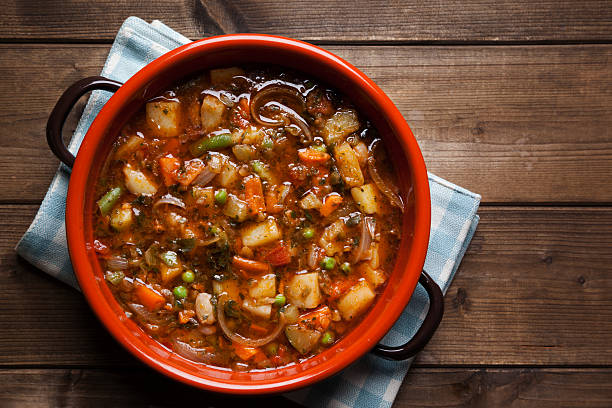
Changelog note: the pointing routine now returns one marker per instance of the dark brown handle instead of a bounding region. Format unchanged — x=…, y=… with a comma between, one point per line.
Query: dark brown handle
x=63, y=107
x=427, y=329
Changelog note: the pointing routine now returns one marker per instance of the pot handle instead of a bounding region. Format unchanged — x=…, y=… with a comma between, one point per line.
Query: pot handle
x=63, y=107
x=427, y=329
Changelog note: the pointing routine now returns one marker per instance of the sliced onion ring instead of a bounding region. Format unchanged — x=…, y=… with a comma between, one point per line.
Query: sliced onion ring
x=237, y=338
x=365, y=240
x=192, y=353
x=170, y=200
x=386, y=189
x=204, y=177
x=275, y=92
x=117, y=263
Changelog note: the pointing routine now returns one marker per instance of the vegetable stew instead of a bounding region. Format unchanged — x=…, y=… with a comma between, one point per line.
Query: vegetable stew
x=247, y=218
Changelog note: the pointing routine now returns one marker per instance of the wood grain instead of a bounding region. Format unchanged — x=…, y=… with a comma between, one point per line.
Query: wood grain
x=413, y=21
x=515, y=124
x=423, y=387
x=534, y=289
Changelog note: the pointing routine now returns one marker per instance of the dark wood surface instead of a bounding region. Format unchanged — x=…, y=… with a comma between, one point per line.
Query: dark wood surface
x=511, y=99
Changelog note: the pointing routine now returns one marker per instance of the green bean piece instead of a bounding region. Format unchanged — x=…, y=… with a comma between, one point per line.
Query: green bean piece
x=258, y=167
x=180, y=292
x=170, y=258
x=108, y=200
x=115, y=277
x=328, y=263
x=188, y=276
x=220, y=196
x=345, y=267
x=280, y=300
x=214, y=142
x=328, y=338
x=308, y=233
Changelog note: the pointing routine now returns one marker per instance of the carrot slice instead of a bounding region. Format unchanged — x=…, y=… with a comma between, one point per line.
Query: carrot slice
x=330, y=203
x=312, y=156
x=318, y=319
x=193, y=168
x=245, y=352
x=248, y=265
x=149, y=297
x=169, y=167
x=253, y=193
x=280, y=255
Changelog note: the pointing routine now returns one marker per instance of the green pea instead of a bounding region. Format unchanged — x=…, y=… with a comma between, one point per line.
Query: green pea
x=328, y=263
x=188, y=276
x=328, y=338
x=220, y=196
x=345, y=267
x=321, y=148
x=180, y=292
x=214, y=142
x=108, y=200
x=308, y=233
x=280, y=300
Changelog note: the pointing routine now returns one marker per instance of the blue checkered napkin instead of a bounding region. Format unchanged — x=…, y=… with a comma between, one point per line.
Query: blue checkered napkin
x=371, y=382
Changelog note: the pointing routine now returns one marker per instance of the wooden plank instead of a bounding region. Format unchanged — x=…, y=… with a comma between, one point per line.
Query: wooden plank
x=506, y=387
x=423, y=387
x=471, y=20
x=535, y=288
x=516, y=124
x=140, y=387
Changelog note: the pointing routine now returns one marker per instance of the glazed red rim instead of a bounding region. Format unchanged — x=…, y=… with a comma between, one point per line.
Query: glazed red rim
x=359, y=341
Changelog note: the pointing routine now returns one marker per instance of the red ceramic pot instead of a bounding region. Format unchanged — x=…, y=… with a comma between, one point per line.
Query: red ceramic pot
x=235, y=50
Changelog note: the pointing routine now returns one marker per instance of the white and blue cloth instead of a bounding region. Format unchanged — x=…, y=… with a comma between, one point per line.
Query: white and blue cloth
x=371, y=382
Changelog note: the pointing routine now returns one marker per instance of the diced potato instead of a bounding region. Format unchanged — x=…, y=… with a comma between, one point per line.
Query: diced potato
x=375, y=277
x=332, y=238
x=216, y=161
x=236, y=209
x=169, y=273
x=257, y=310
x=340, y=125
x=228, y=287
x=264, y=287
x=211, y=113
x=224, y=75
x=356, y=300
x=131, y=145
x=164, y=117
x=204, y=308
x=122, y=217
x=302, y=339
x=303, y=290
x=229, y=174
x=367, y=198
x=261, y=233
x=348, y=165
x=137, y=182
x=310, y=202
x=243, y=152
x=204, y=196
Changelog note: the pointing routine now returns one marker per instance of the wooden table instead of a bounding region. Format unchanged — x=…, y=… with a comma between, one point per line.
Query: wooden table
x=510, y=99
